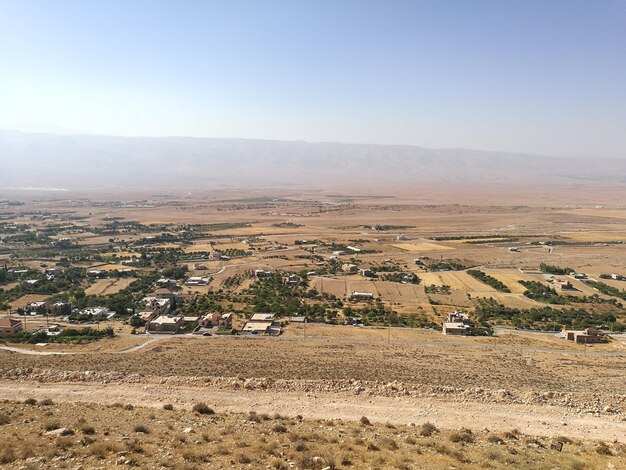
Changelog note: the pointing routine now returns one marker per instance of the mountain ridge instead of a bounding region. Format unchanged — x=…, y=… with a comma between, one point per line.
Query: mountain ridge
x=83, y=161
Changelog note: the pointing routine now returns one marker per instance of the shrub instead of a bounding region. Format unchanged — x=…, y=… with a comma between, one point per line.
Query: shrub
x=278, y=464
x=603, y=449
x=428, y=429
x=51, y=426
x=88, y=430
x=7, y=455
x=464, y=435
x=30, y=401
x=364, y=421
x=102, y=449
x=4, y=418
x=203, y=409
x=195, y=454
x=129, y=407
x=373, y=447
x=65, y=442
x=134, y=446
x=142, y=429
x=46, y=402
x=389, y=443
x=244, y=459
x=168, y=407
x=279, y=428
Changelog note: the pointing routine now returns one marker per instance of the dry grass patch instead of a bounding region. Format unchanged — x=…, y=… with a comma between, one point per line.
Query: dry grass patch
x=229, y=440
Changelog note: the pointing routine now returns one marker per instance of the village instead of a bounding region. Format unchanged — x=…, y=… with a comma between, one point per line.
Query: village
x=259, y=278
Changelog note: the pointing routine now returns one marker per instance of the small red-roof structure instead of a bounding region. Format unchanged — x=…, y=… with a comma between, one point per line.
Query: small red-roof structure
x=163, y=293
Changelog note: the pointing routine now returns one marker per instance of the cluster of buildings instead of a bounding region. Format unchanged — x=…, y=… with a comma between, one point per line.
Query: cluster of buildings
x=262, y=323
x=42, y=307
x=159, y=303
x=97, y=312
x=589, y=335
x=458, y=323
x=258, y=324
x=562, y=284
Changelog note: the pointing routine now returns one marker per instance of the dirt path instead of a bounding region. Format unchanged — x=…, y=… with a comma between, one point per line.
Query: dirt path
x=326, y=339
x=31, y=352
x=530, y=419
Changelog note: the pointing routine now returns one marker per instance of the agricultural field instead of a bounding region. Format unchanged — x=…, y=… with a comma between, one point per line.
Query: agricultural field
x=107, y=286
x=421, y=247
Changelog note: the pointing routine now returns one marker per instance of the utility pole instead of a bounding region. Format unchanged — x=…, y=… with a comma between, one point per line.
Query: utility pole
x=389, y=323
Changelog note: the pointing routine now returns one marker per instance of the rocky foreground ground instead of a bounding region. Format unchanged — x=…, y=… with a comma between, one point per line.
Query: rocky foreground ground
x=41, y=433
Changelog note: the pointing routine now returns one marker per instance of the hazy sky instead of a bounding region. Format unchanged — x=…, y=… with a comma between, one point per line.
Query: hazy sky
x=541, y=76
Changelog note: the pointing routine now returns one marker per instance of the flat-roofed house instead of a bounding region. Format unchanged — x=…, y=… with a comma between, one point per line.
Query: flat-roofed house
x=9, y=326
x=165, y=325
x=216, y=319
x=262, y=323
x=456, y=328
x=257, y=327
x=587, y=336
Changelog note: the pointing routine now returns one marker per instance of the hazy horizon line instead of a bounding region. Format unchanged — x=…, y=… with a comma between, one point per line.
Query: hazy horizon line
x=83, y=133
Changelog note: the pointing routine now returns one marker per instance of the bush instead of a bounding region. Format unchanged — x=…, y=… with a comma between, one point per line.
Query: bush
x=428, y=429
x=244, y=459
x=464, y=435
x=88, y=430
x=279, y=428
x=30, y=401
x=4, y=418
x=7, y=455
x=168, y=407
x=51, y=426
x=203, y=409
x=102, y=449
x=46, y=402
x=364, y=421
x=603, y=449
x=142, y=429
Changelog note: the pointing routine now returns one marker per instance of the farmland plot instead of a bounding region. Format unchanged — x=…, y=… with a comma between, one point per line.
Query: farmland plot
x=108, y=286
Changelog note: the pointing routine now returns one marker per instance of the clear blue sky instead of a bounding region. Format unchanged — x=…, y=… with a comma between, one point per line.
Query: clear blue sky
x=542, y=76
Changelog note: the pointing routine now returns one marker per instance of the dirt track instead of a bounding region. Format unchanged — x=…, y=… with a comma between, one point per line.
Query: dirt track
x=538, y=420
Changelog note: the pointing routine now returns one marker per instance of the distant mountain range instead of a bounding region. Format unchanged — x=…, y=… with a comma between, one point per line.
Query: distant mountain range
x=106, y=162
